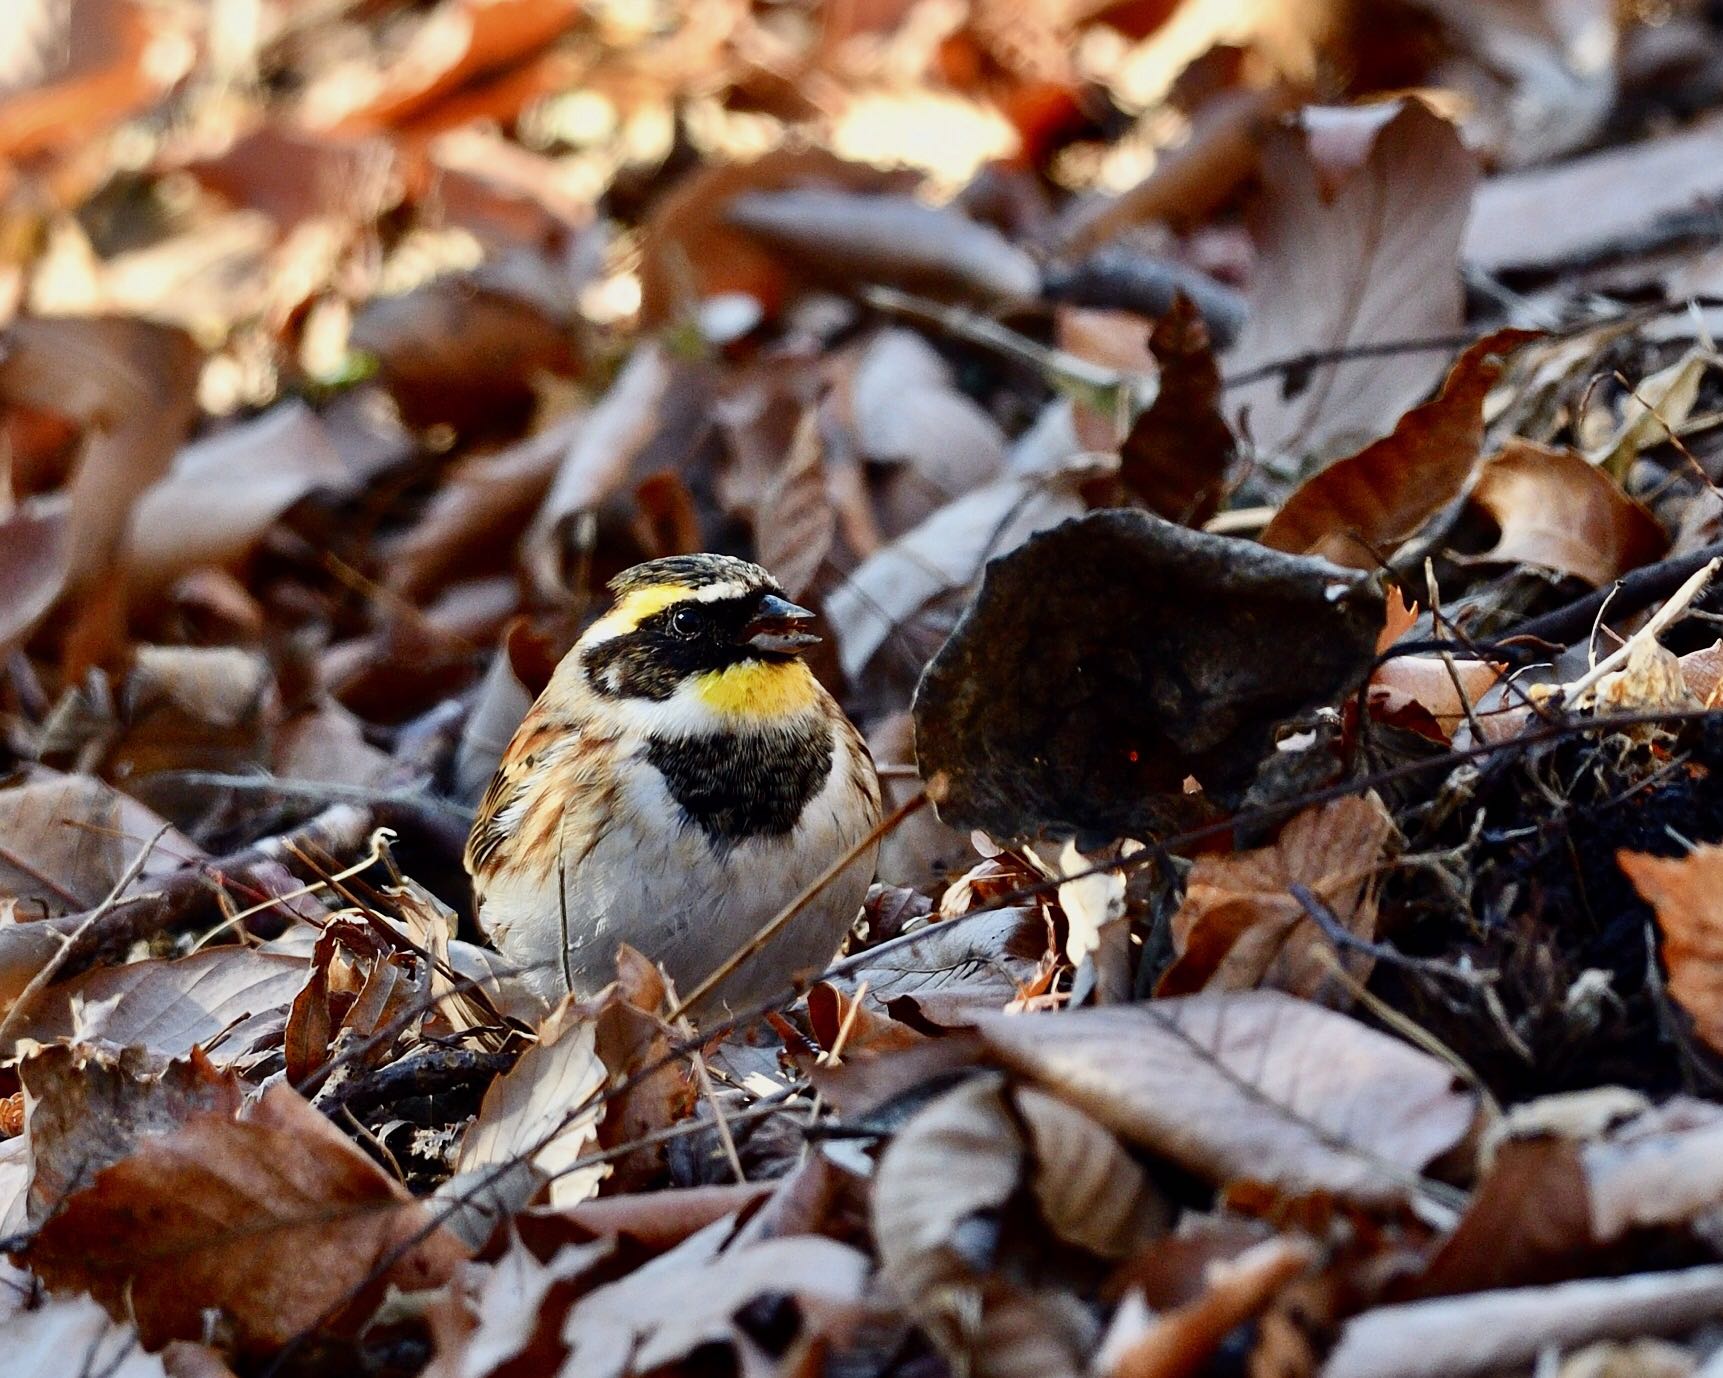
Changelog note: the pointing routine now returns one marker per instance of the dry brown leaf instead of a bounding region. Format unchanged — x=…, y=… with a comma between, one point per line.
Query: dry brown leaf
x=875, y=237
x=692, y=253
x=455, y=44
x=88, y=1107
x=66, y=840
x=1358, y=510
x=463, y=350
x=1428, y=683
x=795, y=523
x=1543, y=217
x=959, y=1163
x=223, y=493
x=172, y=1006
x=1176, y=457
x=1682, y=892
x=906, y=410
x=942, y=555
x=276, y=1218
x=98, y=74
x=1180, y=1343
x=1558, y=511
x=131, y=387
x=478, y=513
x=1254, y=1084
x=1240, y=927
x=1703, y=671
x=35, y=558
x=1375, y=259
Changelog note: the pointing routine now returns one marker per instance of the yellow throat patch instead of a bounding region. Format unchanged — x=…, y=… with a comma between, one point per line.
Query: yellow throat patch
x=758, y=689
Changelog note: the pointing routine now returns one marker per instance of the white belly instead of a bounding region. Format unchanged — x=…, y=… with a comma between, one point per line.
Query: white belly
x=689, y=905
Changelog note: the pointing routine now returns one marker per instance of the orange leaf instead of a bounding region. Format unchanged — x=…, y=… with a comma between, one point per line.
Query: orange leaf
x=1682, y=892
x=1560, y=512
x=1367, y=504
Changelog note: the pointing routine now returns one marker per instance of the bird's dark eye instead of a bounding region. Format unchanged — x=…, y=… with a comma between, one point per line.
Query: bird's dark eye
x=685, y=622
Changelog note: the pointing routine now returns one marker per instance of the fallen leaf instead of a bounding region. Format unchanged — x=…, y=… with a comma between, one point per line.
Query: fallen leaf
x=691, y=1299
x=171, y=1006
x=483, y=505
x=1682, y=892
x=532, y=1128
x=960, y=1163
x=276, y=1218
x=1443, y=689
x=878, y=237
x=88, y=1107
x=1358, y=510
x=1558, y=511
x=35, y=558
x=1080, y=691
x=221, y=494
x=1253, y=1084
x=1490, y=1332
x=1179, y=1342
x=1177, y=455
x=1240, y=927
x=1585, y=207
x=907, y=410
x=39, y=1343
x=943, y=555
x=66, y=841
x=692, y=253
x=1373, y=260
x=795, y=523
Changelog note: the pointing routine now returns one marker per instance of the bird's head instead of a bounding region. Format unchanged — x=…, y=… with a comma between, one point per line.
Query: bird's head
x=712, y=630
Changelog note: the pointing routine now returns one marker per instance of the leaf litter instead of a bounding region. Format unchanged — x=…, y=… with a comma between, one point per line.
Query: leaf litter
x=1257, y=469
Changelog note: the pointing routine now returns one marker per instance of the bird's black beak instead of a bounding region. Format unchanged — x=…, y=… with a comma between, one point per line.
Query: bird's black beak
x=779, y=627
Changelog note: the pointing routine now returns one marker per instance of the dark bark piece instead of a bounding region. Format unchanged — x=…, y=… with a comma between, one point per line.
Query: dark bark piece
x=1108, y=659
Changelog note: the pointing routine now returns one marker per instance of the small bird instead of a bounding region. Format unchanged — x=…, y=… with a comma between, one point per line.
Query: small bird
x=682, y=778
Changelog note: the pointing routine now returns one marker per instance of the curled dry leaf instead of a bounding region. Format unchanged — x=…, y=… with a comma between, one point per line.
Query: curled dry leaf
x=1490, y=1332
x=1682, y=892
x=1558, y=511
x=88, y=1107
x=1358, y=510
x=1371, y=260
x=1255, y=1084
x=888, y=238
x=1178, y=452
x=1240, y=927
x=275, y=1217
x=534, y=1124
x=1405, y=688
x=953, y=1171
x=1180, y=1342
x=1079, y=691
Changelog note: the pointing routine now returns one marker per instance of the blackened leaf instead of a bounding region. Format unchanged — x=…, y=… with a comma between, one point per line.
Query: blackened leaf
x=1176, y=457
x=1115, y=655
